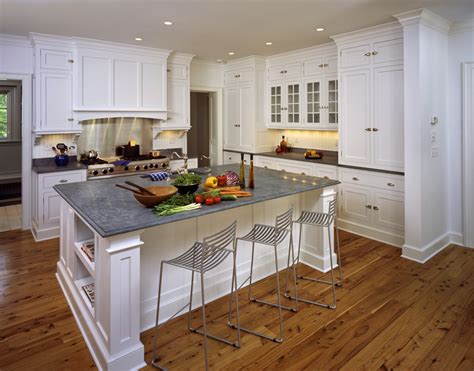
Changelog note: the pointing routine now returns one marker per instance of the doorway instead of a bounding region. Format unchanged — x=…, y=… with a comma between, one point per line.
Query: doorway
x=468, y=135
x=11, y=149
x=199, y=135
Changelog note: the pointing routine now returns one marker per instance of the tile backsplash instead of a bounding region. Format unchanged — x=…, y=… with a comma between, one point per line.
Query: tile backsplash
x=325, y=140
x=43, y=146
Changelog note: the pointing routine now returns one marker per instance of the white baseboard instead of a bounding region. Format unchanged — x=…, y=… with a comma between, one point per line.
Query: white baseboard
x=373, y=234
x=43, y=234
x=317, y=262
x=426, y=252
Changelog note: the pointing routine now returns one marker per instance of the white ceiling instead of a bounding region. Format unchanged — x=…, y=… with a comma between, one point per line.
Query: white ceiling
x=212, y=28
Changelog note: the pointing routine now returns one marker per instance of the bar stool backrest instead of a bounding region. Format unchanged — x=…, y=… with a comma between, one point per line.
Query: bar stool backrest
x=218, y=246
x=283, y=221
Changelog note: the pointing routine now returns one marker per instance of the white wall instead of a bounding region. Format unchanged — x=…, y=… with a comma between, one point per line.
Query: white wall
x=205, y=74
x=461, y=49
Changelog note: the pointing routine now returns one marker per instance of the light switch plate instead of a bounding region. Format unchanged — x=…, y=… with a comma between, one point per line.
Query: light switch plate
x=434, y=120
x=434, y=152
x=434, y=136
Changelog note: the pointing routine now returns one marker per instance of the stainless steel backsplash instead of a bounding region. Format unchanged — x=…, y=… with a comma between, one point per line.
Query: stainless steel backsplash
x=106, y=134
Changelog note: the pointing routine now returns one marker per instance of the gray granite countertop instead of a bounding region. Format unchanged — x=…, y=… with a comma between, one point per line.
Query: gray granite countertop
x=47, y=165
x=110, y=210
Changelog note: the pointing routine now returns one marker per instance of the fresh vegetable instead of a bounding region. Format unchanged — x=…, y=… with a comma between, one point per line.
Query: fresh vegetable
x=217, y=199
x=237, y=193
x=228, y=197
x=199, y=199
x=211, y=182
x=222, y=180
x=176, y=200
x=170, y=210
x=232, y=178
x=209, y=201
x=187, y=179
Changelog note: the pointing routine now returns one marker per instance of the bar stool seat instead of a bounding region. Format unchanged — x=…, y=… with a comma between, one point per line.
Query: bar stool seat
x=265, y=234
x=314, y=218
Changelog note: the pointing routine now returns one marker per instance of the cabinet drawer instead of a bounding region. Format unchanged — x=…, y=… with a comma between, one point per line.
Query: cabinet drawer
x=177, y=71
x=388, y=51
x=275, y=73
x=326, y=172
x=294, y=167
x=379, y=180
x=355, y=56
x=313, y=67
x=51, y=180
x=56, y=59
x=231, y=158
x=265, y=162
x=238, y=76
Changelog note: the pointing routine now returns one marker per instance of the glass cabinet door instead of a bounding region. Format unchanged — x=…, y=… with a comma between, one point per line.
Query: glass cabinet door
x=332, y=107
x=275, y=104
x=293, y=103
x=313, y=102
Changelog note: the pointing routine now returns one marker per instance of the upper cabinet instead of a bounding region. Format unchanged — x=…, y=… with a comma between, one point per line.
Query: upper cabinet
x=302, y=90
x=114, y=80
x=244, y=127
x=371, y=98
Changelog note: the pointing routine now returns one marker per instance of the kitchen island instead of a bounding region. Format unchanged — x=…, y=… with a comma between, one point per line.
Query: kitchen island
x=130, y=242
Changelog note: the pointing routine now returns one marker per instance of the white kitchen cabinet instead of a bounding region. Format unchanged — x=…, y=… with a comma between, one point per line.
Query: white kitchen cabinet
x=244, y=127
x=235, y=158
x=178, y=104
x=320, y=65
x=177, y=164
x=177, y=71
x=389, y=210
x=356, y=204
x=296, y=167
x=321, y=110
x=47, y=202
x=51, y=59
x=56, y=102
x=371, y=98
x=289, y=70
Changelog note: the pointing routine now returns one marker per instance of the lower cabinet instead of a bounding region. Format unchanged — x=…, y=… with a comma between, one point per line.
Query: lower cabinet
x=372, y=204
x=234, y=158
x=176, y=164
x=47, y=202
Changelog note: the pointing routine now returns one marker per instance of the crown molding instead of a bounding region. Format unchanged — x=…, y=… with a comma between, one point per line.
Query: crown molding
x=303, y=53
x=462, y=27
x=425, y=17
x=184, y=58
x=15, y=40
x=380, y=30
x=81, y=42
x=208, y=63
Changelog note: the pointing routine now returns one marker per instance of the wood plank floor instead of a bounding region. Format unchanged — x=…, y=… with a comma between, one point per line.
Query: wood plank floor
x=391, y=314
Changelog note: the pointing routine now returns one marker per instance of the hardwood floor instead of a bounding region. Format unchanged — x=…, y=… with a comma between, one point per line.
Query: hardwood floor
x=10, y=217
x=391, y=314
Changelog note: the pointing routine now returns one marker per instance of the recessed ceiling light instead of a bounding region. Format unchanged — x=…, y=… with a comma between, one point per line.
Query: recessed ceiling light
x=168, y=23
x=231, y=53
x=319, y=29
x=219, y=60
x=268, y=43
x=138, y=39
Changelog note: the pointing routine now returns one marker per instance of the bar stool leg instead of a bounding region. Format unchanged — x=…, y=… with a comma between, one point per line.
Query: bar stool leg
x=234, y=282
x=204, y=319
x=280, y=339
x=339, y=261
x=154, y=360
x=251, y=271
x=291, y=253
x=190, y=328
x=333, y=306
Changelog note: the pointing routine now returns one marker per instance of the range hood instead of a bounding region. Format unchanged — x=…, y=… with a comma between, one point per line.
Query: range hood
x=96, y=114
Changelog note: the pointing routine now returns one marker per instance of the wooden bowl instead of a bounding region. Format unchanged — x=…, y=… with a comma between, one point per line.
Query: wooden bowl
x=162, y=193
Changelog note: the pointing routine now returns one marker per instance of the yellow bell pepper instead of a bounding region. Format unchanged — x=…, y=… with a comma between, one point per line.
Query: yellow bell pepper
x=211, y=182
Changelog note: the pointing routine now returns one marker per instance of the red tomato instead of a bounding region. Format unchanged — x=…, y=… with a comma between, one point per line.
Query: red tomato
x=217, y=199
x=209, y=201
x=199, y=199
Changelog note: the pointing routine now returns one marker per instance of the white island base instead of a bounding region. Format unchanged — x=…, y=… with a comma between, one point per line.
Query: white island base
x=126, y=270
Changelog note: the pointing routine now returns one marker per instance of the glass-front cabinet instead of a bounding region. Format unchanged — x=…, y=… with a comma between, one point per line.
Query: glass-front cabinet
x=321, y=104
x=275, y=105
x=285, y=105
x=313, y=102
x=332, y=103
x=293, y=104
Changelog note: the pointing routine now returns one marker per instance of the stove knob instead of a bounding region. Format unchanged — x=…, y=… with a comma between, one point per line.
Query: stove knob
x=126, y=168
x=150, y=166
x=137, y=167
x=145, y=167
x=104, y=171
x=95, y=172
x=163, y=165
x=111, y=170
x=156, y=166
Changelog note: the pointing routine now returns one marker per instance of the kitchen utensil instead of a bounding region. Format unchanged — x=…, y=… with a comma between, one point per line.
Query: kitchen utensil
x=155, y=153
x=61, y=159
x=159, y=194
x=61, y=147
x=92, y=155
x=142, y=189
x=127, y=151
x=129, y=189
x=185, y=189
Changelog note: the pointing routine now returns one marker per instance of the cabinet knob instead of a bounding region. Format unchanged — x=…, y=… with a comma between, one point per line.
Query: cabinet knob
x=391, y=184
x=368, y=129
x=375, y=53
x=375, y=129
x=355, y=178
x=368, y=54
x=70, y=119
x=168, y=70
x=326, y=65
x=63, y=181
x=325, y=177
x=70, y=60
x=321, y=65
x=368, y=206
x=375, y=208
x=265, y=167
x=303, y=173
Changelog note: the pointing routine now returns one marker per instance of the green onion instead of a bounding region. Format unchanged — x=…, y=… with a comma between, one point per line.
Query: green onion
x=170, y=210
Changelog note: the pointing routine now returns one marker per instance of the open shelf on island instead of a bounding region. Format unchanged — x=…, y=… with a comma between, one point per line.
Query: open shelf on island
x=81, y=284
x=84, y=257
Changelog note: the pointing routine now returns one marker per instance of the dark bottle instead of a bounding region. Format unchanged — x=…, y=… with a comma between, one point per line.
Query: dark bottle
x=283, y=144
x=242, y=172
x=251, y=176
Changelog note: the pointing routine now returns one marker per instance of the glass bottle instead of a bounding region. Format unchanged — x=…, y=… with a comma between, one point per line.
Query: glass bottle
x=283, y=144
x=242, y=172
x=251, y=175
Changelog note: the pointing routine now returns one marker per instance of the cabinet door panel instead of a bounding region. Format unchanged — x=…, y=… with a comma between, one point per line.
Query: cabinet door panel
x=231, y=77
x=292, y=70
x=313, y=67
x=389, y=210
x=356, y=56
x=178, y=104
x=330, y=64
x=355, y=202
x=56, y=101
x=56, y=59
x=232, y=104
x=331, y=102
x=275, y=104
x=247, y=117
x=293, y=104
x=388, y=51
x=275, y=73
x=294, y=167
x=355, y=117
x=125, y=83
x=388, y=117
x=313, y=102
x=177, y=71
x=51, y=207
x=246, y=74
x=96, y=82
x=154, y=85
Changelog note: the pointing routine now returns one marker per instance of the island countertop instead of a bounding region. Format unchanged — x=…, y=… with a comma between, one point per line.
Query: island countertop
x=110, y=210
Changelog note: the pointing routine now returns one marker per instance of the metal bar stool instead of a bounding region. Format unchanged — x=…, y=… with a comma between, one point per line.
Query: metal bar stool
x=324, y=220
x=200, y=258
x=271, y=236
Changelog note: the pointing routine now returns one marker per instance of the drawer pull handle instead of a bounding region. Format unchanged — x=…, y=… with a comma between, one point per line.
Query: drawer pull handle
x=375, y=208
x=368, y=206
x=367, y=54
x=355, y=178
x=368, y=129
x=70, y=119
x=63, y=181
x=375, y=129
x=326, y=177
x=70, y=60
x=303, y=173
x=265, y=167
x=391, y=184
x=375, y=53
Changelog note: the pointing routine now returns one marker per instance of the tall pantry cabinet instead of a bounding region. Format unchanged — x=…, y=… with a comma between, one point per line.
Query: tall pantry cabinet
x=371, y=98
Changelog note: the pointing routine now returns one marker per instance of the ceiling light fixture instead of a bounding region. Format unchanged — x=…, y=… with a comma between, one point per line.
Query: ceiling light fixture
x=231, y=53
x=319, y=29
x=219, y=60
x=168, y=23
x=138, y=39
x=268, y=43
